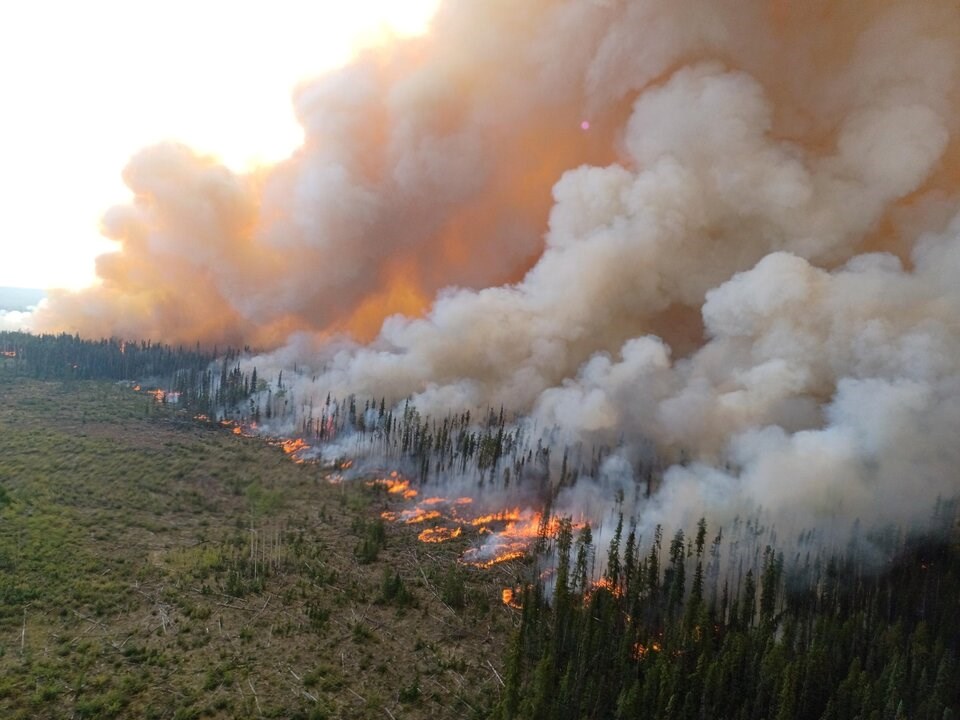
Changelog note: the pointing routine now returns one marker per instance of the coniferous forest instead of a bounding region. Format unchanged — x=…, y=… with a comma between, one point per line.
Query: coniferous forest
x=831, y=639
x=719, y=623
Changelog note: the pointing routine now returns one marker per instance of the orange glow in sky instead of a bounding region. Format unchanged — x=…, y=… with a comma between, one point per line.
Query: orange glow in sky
x=85, y=85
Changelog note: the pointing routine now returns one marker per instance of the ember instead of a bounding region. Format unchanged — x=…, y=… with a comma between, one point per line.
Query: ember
x=640, y=650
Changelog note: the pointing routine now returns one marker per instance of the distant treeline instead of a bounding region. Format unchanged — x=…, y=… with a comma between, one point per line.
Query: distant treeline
x=675, y=632
x=64, y=356
x=188, y=374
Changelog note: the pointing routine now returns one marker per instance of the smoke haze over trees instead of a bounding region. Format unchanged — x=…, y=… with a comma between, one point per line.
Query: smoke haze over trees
x=721, y=236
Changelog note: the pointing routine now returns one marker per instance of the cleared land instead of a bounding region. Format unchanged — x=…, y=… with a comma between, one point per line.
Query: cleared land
x=154, y=567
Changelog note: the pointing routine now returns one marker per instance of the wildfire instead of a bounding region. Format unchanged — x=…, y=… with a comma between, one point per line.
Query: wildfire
x=640, y=651
x=511, y=542
x=238, y=429
x=510, y=598
x=396, y=485
x=421, y=517
x=496, y=560
x=163, y=396
x=608, y=585
x=439, y=534
x=502, y=516
x=509, y=532
x=293, y=448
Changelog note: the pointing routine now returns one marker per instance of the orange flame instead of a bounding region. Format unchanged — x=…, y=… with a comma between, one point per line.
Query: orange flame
x=497, y=560
x=608, y=585
x=396, y=486
x=640, y=651
x=502, y=516
x=511, y=598
x=292, y=446
x=238, y=429
x=511, y=531
x=439, y=534
x=420, y=516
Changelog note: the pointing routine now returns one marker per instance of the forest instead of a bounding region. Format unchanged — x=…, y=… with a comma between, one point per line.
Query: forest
x=824, y=637
x=722, y=622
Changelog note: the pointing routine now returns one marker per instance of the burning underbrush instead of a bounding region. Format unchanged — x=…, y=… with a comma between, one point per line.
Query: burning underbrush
x=498, y=535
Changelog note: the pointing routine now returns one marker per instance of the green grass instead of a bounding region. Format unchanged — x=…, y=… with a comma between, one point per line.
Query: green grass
x=151, y=566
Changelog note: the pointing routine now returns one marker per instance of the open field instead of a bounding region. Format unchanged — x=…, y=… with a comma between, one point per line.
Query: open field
x=151, y=566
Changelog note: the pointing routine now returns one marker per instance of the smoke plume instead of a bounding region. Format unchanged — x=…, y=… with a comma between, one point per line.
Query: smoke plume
x=729, y=228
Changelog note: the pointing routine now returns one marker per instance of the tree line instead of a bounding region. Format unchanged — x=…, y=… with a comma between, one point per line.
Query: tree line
x=693, y=630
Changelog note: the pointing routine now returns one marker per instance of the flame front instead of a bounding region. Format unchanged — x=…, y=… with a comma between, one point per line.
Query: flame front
x=439, y=534
x=396, y=485
x=294, y=448
x=508, y=533
x=291, y=447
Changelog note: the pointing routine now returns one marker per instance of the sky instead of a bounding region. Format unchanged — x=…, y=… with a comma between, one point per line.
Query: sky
x=85, y=85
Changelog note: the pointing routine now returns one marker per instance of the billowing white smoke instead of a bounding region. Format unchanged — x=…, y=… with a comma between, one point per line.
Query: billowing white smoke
x=14, y=320
x=761, y=284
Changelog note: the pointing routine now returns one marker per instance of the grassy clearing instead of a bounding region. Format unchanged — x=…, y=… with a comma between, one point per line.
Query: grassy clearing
x=152, y=567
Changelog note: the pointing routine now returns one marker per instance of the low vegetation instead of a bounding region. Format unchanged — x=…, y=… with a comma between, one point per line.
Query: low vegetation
x=152, y=566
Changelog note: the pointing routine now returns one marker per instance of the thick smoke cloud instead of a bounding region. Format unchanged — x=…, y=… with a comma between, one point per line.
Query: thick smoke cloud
x=727, y=228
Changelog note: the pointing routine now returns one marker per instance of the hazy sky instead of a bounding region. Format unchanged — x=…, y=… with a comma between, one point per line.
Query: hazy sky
x=84, y=85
